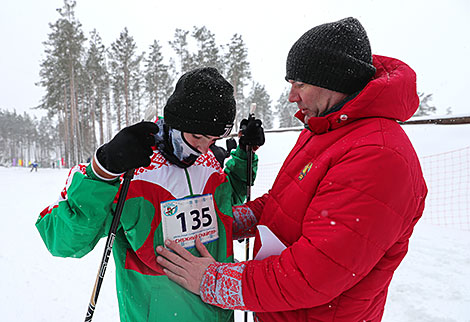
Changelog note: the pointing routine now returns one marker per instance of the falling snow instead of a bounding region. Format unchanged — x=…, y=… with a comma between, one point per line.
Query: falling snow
x=432, y=284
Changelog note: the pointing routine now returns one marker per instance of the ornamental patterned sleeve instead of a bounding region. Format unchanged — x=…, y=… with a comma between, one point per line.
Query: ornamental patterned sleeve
x=244, y=222
x=221, y=286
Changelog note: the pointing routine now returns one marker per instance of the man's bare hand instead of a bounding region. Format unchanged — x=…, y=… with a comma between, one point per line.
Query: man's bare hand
x=182, y=267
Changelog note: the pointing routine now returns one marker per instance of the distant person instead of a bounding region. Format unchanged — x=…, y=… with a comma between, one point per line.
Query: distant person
x=345, y=201
x=179, y=191
x=34, y=166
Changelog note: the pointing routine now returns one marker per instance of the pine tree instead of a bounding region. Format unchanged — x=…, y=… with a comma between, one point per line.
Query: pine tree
x=286, y=110
x=238, y=73
x=158, y=81
x=9, y=137
x=125, y=71
x=28, y=137
x=47, y=138
x=108, y=112
x=137, y=94
x=260, y=96
x=117, y=92
x=208, y=54
x=59, y=73
x=180, y=46
x=97, y=86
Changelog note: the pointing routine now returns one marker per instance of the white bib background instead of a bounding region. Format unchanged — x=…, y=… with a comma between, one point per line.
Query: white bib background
x=183, y=220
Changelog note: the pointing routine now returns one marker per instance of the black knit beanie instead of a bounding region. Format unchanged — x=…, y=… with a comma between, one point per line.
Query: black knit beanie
x=202, y=103
x=335, y=56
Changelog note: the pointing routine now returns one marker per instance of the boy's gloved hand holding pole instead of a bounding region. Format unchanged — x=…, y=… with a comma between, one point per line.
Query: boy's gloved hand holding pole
x=252, y=133
x=131, y=148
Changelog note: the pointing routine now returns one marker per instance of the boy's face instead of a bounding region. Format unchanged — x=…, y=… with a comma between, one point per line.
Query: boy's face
x=200, y=142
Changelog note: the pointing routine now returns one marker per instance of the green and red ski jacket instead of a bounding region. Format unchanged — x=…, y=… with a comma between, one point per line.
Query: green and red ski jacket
x=73, y=225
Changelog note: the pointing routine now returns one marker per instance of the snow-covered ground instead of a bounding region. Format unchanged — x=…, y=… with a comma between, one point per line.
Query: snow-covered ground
x=432, y=284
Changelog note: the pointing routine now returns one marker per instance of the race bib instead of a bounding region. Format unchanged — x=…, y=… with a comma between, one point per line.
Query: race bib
x=185, y=219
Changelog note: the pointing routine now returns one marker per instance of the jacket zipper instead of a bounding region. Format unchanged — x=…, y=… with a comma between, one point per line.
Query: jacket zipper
x=188, y=179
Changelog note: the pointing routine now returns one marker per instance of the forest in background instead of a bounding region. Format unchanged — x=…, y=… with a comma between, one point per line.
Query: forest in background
x=93, y=90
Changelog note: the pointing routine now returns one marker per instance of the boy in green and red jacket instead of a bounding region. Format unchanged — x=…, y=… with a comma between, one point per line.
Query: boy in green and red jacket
x=179, y=191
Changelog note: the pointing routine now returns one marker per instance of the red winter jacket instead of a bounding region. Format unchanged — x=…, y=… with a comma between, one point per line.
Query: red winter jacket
x=345, y=203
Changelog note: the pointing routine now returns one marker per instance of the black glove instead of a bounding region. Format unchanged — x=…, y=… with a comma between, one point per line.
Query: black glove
x=252, y=133
x=220, y=153
x=129, y=149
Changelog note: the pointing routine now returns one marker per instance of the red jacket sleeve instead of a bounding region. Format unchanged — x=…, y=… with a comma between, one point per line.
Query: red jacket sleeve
x=257, y=205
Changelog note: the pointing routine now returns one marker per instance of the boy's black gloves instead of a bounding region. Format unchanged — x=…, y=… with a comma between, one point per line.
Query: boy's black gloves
x=220, y=153
x=129, y=149
x=252, y=133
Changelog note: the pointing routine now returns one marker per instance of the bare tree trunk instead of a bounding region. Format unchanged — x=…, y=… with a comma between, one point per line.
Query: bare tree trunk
x=156, y=98
x=118, y=109
x=126, y=95
x=93, y=119
x=65, y=122
x=235, y=91
x=79, y=126
x=100, y=117
x=108, y=118
x=73, y=114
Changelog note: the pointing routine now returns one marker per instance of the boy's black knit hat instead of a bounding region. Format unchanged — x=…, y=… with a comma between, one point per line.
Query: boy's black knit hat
x=335, y=56
x=202, y=103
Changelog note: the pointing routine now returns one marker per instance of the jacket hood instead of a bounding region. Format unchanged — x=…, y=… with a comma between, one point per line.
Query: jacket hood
x=390, y=94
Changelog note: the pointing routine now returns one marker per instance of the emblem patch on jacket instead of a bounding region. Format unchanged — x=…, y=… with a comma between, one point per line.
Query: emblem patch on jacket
x=305, y=170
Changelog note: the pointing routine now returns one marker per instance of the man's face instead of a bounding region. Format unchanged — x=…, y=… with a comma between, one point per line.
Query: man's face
x=313, y=100
x=200, y=142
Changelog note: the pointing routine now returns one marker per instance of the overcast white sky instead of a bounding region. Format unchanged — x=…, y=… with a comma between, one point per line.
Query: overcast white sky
x=431, y=36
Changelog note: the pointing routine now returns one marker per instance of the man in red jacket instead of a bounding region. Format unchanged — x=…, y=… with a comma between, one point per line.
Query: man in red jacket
x=345, y=200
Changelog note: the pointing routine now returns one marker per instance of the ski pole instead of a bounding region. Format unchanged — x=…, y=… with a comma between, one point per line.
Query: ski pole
x=109, y=244
x=249, y=176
